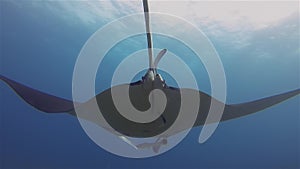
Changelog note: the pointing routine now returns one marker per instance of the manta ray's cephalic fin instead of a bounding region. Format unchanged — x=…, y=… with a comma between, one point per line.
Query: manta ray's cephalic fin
x=40, y=100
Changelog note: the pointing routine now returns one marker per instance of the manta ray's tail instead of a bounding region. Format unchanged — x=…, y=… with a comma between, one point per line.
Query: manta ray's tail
x=239, y=110
x=39, y=100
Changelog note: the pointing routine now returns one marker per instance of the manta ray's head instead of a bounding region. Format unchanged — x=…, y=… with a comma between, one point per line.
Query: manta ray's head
x=153, y=80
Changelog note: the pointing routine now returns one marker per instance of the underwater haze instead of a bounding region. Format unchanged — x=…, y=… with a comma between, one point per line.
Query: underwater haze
x=258, y=44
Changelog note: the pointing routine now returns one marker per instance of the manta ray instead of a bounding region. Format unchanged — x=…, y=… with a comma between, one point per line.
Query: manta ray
x=139, y=92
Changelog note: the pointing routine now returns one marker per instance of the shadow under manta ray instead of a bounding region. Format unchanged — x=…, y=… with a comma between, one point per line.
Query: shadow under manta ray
x=139, y=94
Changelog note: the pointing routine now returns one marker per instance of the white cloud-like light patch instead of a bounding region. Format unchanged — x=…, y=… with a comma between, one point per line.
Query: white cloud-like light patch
x=232, y=15
x=235, y=15
x=215, y=18
x=230, y=24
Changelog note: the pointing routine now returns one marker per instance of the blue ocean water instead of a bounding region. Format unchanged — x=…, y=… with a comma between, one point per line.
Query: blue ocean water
x=39, y=48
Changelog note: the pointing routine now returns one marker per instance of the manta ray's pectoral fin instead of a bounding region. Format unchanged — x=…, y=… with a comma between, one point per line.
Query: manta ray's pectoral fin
x=39, y=100
x=243, y=109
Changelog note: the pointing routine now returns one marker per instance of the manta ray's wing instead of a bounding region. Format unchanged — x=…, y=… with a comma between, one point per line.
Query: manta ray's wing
x=239, y=110
x=242, y=109
x=40, y=100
